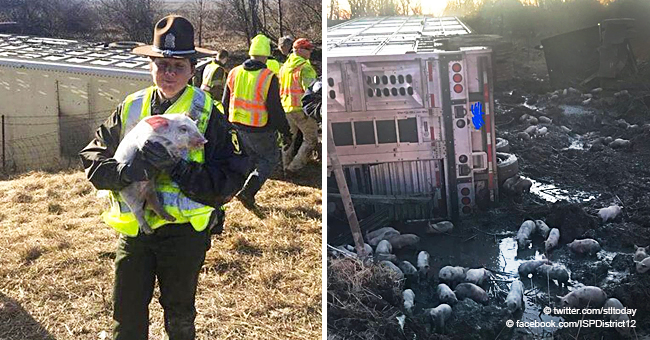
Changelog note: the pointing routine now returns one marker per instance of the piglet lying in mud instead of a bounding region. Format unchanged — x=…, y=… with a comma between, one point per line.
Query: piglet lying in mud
x=384, y=247
x=446, y=295
x=383, y=252
x=375, y=236
x=405, y=240
x=452, y=275
x=586, y=246
x=471, y=291
x=591, y=296
x=609, y=213
x=438, y=316
x=407, y=268
x=479, y=277
x=515, y=298
x=177, y=133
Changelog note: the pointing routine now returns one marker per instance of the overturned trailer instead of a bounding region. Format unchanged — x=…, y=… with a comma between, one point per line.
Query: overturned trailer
x=399, y=110
x=54, y=94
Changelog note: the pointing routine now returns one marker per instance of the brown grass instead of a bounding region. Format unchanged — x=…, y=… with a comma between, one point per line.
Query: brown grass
x=261, y=279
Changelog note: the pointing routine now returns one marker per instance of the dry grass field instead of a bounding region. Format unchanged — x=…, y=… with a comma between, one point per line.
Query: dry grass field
x=261, y=279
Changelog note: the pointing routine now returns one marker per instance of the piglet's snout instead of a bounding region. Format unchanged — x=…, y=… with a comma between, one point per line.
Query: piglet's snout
x=198, y=141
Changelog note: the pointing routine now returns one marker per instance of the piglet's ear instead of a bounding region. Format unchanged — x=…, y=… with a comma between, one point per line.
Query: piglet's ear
x=157, y=122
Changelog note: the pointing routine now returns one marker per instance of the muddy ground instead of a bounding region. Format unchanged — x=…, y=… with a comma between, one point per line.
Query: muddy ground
x=592, y=177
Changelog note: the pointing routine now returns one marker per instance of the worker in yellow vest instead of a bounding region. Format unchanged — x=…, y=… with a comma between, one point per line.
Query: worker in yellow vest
x=252, y=102
x=284, y=45
x=191, y=188
x=214, y=75
x=296, y=75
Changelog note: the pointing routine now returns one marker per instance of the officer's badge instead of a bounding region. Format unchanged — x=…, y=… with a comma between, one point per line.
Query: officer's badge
x=170, y=41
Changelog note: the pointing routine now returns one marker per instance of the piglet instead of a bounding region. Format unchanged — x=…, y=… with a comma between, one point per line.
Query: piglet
x=423, y=264
x=639, y=253
x=515, y=298
x=177, y=133
x=609, y=213
x=409, y=300
x=591, y=296
x=584, y=246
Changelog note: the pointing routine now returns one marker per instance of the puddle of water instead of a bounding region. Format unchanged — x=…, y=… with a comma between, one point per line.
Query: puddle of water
x=551, y=193
x=532, y=107
x=499, y=254
x=510, y=260
x=576, y=144
x=575, y=109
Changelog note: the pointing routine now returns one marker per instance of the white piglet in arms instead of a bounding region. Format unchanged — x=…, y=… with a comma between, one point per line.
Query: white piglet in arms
x=177, y=133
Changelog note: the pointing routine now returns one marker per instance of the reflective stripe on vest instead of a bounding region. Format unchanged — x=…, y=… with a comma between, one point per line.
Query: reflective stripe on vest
x=208, y=74
x=248, y=93
x=135, y=107
x=291, y=90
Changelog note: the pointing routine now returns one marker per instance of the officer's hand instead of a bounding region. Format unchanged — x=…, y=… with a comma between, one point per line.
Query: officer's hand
x=156, y=154
x=138, y=170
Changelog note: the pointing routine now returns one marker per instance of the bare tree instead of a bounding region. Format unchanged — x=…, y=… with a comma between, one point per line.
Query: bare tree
x=58, y=18
x=416, y=8
x=405, y=6
x=361, y=8
x=199, y=6
x=133, y=18
x=333, y=13
x=274, y=18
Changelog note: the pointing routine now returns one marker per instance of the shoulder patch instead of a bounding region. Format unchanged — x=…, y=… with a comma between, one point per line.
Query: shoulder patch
x=235, y=142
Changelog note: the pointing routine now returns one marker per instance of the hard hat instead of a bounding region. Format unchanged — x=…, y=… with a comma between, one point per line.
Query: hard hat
x=303, y=43
x=260, y=46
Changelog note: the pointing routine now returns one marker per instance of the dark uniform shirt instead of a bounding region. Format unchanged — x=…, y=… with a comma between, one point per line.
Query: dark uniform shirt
x=213, y=183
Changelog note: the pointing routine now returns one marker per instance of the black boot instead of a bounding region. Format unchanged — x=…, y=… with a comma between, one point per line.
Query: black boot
x=247, y=195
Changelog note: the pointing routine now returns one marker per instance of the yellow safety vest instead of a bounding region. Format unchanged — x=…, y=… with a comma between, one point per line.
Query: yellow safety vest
x=291, y=84
x=273, y=65
x=135, y=107
x=208, y=74
x=248, y=93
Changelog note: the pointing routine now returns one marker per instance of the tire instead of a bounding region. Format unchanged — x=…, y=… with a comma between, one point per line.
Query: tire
x=507, y=166
x=502, y=145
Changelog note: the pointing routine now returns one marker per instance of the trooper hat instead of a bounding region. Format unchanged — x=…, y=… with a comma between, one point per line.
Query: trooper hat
x=173, y=37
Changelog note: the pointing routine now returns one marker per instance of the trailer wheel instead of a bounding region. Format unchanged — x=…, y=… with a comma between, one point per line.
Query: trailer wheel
x=507, y=166
x=502, y=145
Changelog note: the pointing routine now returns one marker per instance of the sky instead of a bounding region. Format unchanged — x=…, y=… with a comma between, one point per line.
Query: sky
x=434, y=7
